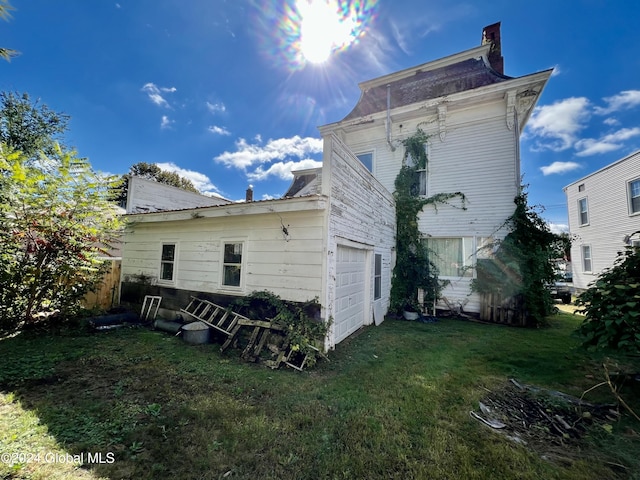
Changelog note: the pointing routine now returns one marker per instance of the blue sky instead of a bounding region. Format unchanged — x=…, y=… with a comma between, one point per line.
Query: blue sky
x=223, y=92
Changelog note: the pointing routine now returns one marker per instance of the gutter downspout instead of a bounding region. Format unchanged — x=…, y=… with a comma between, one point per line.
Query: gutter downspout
x=388, y=125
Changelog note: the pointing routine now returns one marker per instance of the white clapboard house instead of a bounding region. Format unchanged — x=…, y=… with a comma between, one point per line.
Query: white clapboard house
x=332, y=236
x=604, y=214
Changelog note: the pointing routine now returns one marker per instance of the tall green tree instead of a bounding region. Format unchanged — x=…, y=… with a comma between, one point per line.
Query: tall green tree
x=151, y=171
x=29, y=126
x=5, y=9
x=56, y=221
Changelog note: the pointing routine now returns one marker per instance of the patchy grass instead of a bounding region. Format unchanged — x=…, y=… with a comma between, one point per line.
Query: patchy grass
x=393, y=402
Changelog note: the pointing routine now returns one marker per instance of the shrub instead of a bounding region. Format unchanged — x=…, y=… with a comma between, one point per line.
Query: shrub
x=611, y=305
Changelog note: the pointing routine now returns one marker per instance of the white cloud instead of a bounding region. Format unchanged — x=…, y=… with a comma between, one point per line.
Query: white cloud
x=199, y=180
x=154, y=93
x=216, y=107
x=218, y=130
x=558, y=228
x=247, y=154
x=559, y=167
x=558, y=125
x=556, y=71
x=166, y=122
x=612, y=122
x=282, y=170
x=622, y=101
x=608, y=143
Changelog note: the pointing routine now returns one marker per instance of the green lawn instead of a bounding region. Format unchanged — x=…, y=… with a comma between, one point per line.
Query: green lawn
x=392, y=402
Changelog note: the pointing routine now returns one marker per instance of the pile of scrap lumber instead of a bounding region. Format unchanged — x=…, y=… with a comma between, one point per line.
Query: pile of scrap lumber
x=260, y=340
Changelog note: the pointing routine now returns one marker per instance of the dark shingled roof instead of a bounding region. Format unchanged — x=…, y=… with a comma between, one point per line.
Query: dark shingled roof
x=426, y=85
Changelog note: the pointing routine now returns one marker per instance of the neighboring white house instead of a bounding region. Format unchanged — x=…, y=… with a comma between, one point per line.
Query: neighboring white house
x=604, y=212
x=332, y=235
x=473, y=115
x=332, y=238
x=150, y=196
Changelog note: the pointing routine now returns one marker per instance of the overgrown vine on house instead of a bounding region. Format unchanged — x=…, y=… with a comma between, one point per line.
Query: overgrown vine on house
x=522, y=265
x=303, y=330
x=414, y=269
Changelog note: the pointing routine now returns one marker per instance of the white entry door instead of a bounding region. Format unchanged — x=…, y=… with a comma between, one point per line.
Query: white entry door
x=350, y=291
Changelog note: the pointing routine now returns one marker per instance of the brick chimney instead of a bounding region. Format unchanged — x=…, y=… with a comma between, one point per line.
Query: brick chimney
x=491, y=34
x=249, y=194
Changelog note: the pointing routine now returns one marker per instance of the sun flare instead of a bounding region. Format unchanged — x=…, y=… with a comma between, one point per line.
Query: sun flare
x=311, y=31
x=323, y=29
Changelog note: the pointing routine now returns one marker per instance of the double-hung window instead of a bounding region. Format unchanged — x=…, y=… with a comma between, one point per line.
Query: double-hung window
x=232, y=264
x=167, y=262
x=634, y=196
x=420, y=184
x=583, y=212
x=586, y=258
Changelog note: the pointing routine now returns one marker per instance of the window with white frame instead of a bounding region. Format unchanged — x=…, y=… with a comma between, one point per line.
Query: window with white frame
x=453, y=257
x=377, y=276
x=634, y=196
x=420, y=185
x=586, y=258
x=583, y=212
x=232, y=264
x=167, y=262
x=366, y=159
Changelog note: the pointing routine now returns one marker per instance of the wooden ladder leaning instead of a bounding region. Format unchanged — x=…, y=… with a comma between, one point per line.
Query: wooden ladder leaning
x=220, y=318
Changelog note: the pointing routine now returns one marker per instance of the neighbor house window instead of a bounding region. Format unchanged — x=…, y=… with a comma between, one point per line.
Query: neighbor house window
x=634, y=196
x=167, y=262
x=586, y=258
x=367, y=160
x=377, y=277
x=452, y=257
x=583, y=212
x=581, y=187
x=232, y=264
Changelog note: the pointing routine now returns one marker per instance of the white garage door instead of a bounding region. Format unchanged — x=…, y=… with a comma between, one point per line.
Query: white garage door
x=350, y=291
